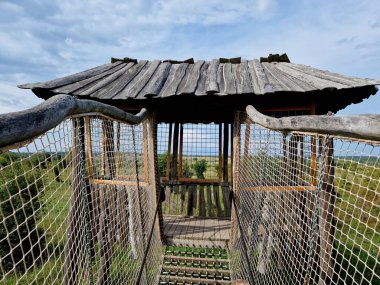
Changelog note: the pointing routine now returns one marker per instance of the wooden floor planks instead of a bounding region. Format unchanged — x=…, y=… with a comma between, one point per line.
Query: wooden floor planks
x=205, y=231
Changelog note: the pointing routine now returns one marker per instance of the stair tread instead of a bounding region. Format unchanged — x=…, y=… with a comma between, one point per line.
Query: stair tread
x=204, y=259
x=193, y=280
x=194, y=269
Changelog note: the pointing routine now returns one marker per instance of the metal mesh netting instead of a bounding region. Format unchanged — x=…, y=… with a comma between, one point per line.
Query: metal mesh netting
x=308, y=208
x=77, y=205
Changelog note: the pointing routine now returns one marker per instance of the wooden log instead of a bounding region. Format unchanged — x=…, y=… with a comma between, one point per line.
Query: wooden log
x=145, y=154
x=326, y=220
x=226, y=200
x=220, y=168
x=174, y=164
x=19, y=127
x=194, y=204
x=169, y=152
x=104, y=250
x=72, y=247
x=232, y=154
x=209, y=202
x=190, y=200
x=360, y=127
x=236, y=169
x=225, y=153
x=180, y=168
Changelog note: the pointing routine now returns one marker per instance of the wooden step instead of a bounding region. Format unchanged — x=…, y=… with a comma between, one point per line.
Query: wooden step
x=196, y=259
x=189, y=281
x=200, y=271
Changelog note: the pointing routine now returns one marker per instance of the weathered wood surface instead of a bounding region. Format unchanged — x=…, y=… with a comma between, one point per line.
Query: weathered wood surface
x=144, y=79
x=365, y=127
x=21, y=126
x=190, y=229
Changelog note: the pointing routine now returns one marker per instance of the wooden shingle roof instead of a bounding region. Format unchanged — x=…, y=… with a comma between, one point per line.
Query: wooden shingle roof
x=131, y=79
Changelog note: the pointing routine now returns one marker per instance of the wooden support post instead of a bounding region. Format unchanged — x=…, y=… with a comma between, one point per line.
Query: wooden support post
x=72, y=246
x=220, y=168
x=326, y=220
x=174, y=171
x=232, y=154
x=118, y=154
x=169, y=152
x=145, y=154
x=180, y=168
x=225, y=153
x=236, y=170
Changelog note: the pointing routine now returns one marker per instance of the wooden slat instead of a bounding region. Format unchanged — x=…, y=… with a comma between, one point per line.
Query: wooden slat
x=92, y=88
x=260, y=80
x=71, y=78
x=89, y=147
x=220, y=168
x=117, y=182
x=246, y=82
x=156, y=82
x=226, y=194
x=201, y=88
x=118, y=84
x=225, y=152
x=168, y=159
x=193, y=78
x=174, y=163
x=220, y=79
x=183, y=199
x=209, y=201
x=175, y=78
x=133, y=89
x=217, y=200
x=211, y=84
x=180, y=168
x=274, y=81
x=123, y=86
x=229, y=87
x=79, y=85
x=194, y=204
x=201, y=202
x=236, y=71
x=278, y=188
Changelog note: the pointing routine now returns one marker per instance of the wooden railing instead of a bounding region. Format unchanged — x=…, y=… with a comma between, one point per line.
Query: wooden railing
x=207, y=199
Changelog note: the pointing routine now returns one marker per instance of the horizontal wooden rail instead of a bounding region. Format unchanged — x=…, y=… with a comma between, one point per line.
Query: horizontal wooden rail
x=365, y=127
x=21, y=126
x=278, y=188
x=117, y=182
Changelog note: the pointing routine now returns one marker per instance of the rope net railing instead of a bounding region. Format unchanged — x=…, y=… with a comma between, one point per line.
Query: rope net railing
x=77, y=205
x=307, y=207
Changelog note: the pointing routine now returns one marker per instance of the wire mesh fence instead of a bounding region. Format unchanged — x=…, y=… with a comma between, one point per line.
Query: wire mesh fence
x=308, y=208
x=77, y=205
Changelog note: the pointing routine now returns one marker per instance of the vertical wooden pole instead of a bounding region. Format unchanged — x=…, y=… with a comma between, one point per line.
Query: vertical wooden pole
x=72, y=247
x=326, y=220
x=232, y=154
x=169, y=152
x=236, y=170
x=225, y=153
x=220, y=168
x=93, y=198
x=225, y=185
x=313, y=164
x=180, y=174
x=145, y=154
x=118, y=154
x=174, y=171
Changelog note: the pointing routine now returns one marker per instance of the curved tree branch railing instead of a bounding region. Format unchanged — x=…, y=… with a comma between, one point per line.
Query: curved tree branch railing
x=25, y=125
x=366, y=127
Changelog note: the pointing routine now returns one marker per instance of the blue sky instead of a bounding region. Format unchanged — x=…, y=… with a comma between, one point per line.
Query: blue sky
x=41, y=39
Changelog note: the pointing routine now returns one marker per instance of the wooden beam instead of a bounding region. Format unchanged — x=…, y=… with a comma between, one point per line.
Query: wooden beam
x=89, y=146
x=145, y=154
x=169, y=151
x=232, y=153
x=220, y=168
x=117, y=182
x=180, y=152
x=225, y=152
x=174, y=165
x=278, y=188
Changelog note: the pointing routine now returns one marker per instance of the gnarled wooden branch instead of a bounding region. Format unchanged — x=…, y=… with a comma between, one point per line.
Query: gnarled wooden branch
x=365, y=127
x=21, y=126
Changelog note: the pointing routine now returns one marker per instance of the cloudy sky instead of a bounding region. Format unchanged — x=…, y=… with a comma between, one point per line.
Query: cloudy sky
x=45, y=39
